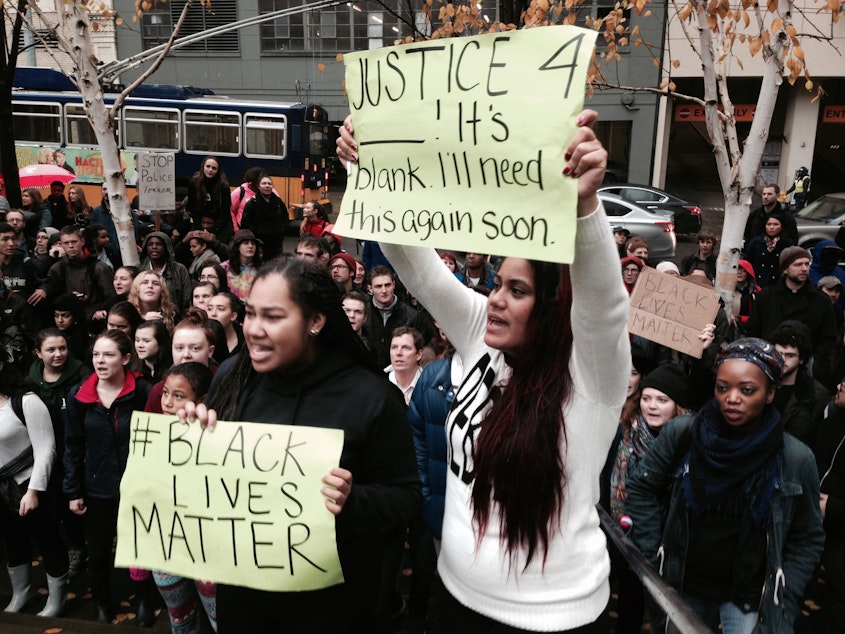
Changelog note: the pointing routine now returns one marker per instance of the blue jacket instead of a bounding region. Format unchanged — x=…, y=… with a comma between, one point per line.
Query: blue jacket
x=427, y=411
x=819, y=269
x=97, y=439
x=794, y=534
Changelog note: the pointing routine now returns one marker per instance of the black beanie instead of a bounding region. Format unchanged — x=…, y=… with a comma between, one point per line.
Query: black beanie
x=670, y=379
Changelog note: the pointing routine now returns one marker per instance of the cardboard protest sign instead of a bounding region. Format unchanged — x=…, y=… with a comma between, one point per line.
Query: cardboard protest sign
x=157, y=180
x=239, y=505
x=671, y=311
x=461, y=142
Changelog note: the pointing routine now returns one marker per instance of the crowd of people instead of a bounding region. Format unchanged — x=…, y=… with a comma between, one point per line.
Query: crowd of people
x=488, y=405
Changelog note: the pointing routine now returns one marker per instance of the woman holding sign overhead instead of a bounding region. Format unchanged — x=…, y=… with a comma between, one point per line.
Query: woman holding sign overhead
x=532, y=421
x=304, y=365
x=97, y=421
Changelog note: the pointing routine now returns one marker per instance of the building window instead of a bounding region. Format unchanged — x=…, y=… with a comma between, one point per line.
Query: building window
x=340, y=29
x=157, y=25
x=596, y=9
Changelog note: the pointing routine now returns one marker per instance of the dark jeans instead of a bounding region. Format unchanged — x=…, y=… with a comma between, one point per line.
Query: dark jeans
x=40, y=525
x=424, y=564
x=100, y=530
x=242, y=609
x=456, y=618
x=833, y=599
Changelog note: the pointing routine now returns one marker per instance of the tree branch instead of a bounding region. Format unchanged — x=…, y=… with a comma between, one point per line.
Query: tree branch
x=686, y=29
x=118, y=103
x=711, y=98
x=54, y=30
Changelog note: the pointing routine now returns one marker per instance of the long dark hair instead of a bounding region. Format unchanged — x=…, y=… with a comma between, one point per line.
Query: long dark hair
x=208, y=187
x=235, y=259
x=164, y=357
x=518, y=464
x=13, y=383
x=312, y=289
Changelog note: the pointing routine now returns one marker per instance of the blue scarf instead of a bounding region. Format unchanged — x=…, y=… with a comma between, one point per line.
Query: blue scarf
x=733, y=472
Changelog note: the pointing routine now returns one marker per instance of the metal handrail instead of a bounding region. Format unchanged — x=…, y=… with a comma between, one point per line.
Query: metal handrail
x=683, y=618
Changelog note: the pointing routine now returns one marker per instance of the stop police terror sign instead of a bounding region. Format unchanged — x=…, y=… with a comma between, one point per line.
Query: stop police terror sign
x=157, y=180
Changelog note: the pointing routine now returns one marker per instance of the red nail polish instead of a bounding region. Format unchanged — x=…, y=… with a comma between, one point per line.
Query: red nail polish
x=566, y=170
x=567, y=156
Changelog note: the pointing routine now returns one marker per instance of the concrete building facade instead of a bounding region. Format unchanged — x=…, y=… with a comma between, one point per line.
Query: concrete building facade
x=298, y=58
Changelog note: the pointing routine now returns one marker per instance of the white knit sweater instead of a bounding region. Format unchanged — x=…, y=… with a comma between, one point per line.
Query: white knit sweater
x=571, y=589
x=38, y=432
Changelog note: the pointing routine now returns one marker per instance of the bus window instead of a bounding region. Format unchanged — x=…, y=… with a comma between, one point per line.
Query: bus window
x=79, y=130
x=150, y=128
x=318, y=139
x=265, y=136
x=37, y=122
x=215, y=133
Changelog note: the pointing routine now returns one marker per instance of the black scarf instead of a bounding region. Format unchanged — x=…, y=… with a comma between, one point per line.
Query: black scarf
x=733, y=472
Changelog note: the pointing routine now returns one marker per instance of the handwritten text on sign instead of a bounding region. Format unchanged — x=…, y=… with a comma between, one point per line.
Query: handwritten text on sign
x=671, y=311
x=461, y=142
x=240, y=505
x=157, y=180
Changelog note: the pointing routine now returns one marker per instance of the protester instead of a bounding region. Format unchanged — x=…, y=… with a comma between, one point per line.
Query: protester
x=223, y=308
x=27, y=452
x=741, y=532
x=152, y=350
x=830, y=459
x=522, y=548
x=183, y=383
x=151, y=297
x=55, y=372
x=96, y=449
x=310, y=369
x=243, y=263
x=663, y=395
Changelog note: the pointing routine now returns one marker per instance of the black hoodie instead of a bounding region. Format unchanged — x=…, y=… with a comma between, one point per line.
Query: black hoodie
x=337, y=393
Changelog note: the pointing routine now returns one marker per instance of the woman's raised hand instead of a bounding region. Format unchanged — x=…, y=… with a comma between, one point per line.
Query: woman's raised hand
x=197, y=412
x=347, y=149
x=586, y=160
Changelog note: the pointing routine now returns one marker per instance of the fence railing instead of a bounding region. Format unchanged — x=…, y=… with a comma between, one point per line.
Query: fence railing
x=681, y=616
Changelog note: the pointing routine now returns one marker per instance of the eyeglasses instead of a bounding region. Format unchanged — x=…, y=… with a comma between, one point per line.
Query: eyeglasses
x=337, y=267
x=631, y=270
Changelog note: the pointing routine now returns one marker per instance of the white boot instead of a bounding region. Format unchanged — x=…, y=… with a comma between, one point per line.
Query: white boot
x=57, y=597
x=21, y=577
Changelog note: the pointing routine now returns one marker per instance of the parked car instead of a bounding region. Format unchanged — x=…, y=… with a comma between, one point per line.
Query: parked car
x=820, y=220
x=686, y=214
x=656, y=227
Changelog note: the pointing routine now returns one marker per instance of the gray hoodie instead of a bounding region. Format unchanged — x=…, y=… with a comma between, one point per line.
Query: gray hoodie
x=175, y=274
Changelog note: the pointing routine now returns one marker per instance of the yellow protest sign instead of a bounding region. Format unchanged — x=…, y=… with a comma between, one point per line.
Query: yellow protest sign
x=461, y=142
x=239, y=505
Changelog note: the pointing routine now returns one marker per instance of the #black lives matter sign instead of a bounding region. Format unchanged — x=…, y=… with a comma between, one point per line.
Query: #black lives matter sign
x=239, y=505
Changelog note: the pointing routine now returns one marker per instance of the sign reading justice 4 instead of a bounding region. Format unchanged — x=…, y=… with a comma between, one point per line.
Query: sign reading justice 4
x=461, y=142
x=240, y=505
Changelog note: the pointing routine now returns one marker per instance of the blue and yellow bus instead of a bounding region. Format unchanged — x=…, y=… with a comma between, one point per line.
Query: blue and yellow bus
x=290, y=141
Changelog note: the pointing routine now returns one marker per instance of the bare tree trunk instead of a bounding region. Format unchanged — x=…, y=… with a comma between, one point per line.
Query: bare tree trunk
x=737, y=167
x=8, y=156
x=78, y=30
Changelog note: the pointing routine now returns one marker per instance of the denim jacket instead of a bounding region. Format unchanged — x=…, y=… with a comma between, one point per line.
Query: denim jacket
x=794, y=534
